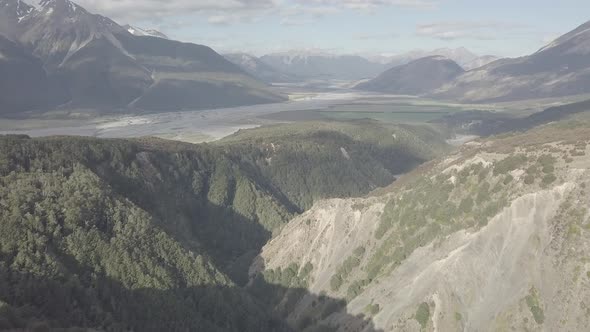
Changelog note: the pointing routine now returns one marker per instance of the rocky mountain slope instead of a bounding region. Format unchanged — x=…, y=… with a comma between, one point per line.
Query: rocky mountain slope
x=493, y=237
x=20, y=72
x=415, y=78
x=559, y=69
x=92, y=62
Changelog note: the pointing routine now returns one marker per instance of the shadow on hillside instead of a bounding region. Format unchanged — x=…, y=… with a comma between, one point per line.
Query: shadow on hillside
x=485, y=123
x=89, y=301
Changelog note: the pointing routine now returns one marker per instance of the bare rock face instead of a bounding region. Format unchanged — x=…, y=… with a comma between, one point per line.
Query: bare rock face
x=494, y=237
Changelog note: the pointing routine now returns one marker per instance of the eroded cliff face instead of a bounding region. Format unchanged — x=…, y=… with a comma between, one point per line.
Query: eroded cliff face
x=496, y=237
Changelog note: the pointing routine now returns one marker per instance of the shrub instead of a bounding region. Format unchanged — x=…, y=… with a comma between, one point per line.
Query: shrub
x=548, y=169
x=546, y=160
x=509, y=163
x=529, y=179
x=335, y=282
x=466, y=205
x=549, y=179
x=423, y=314
x=532, y=301
x=508, y=179
x=359, y=251
x=373, y=309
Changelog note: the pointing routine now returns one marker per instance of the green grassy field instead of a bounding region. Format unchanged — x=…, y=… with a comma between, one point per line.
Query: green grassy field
x=396, y=113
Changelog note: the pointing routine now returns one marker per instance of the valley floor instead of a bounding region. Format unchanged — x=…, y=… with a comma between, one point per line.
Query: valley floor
x=305, y=104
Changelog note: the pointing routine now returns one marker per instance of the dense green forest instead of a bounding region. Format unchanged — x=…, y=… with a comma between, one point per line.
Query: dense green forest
x=314, y=160
x=152, y=235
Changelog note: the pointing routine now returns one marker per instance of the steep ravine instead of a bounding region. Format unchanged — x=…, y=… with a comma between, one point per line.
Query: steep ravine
x=511, y=251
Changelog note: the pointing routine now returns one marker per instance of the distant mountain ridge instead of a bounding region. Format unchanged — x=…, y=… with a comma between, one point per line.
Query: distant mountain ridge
x=462, y=56
x=415, y=78
x=322, y=66
x=258, y=68
x=91, y=62
x=311, y=64
x=562, y=68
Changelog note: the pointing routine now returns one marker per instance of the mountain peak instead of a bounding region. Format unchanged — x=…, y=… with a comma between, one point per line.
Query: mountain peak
x=16, y=9
x=576, y=41
x=436, y=58
x=63, y=7
x=144, y=32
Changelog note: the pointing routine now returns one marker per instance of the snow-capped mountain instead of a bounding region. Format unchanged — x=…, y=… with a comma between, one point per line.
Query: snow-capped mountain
x=480, y=62
x=144, y=32
x=57, y=29
x=306, y=64
x=92, y=62
x=257, y=68
x=312, y=64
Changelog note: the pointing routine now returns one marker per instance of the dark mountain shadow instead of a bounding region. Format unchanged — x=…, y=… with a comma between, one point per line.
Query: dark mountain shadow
x=87, y=301
x=485, y=123
x=306, y=311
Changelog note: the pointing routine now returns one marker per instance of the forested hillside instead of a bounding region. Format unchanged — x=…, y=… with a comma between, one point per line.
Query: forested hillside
x=315, y=160
x=153, y=235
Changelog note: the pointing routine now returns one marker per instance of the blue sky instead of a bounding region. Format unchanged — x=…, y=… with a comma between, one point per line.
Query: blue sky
x=501, y=27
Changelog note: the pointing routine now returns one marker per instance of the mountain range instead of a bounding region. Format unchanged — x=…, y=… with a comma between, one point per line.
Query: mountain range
x=313, y=65
x=258, y=68
x=416, y=77
x=559, y=69
x=293, y=66
x=87, y=61
x=462, y=56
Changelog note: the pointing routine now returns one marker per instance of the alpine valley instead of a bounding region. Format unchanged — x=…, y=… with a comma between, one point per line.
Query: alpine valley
x=148, y=184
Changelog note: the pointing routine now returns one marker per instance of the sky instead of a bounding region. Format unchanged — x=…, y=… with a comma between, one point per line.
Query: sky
x=507, y=28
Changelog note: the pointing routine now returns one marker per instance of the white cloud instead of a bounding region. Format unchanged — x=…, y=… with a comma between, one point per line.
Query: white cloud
x=372, y=4
x=130, y=10
x=469, y=30
x=235, y=11
x=376, y=36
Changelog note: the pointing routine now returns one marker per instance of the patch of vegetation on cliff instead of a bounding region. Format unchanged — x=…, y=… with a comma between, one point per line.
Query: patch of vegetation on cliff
x=532, y=301
x=346, y=268
x=423, y=314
